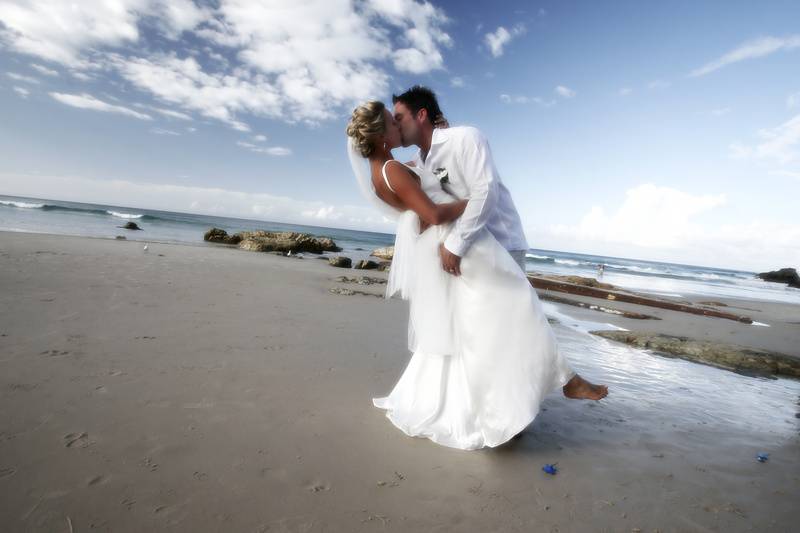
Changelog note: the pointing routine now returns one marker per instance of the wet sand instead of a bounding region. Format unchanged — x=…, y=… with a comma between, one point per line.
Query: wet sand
x=193, y=388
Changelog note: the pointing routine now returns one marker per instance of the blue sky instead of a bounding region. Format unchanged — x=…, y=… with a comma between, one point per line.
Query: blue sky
x=666, y=132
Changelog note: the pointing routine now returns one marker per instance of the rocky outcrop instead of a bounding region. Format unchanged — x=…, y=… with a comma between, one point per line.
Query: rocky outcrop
x=728, y=356
x=341, y=262
x=547, y=283
x=594, y=307
x=221, y=236
x=384, y=266
x=582, y=281
x=366, y=265
x=131, y=225
x=361, y=280
x=383, y=253
x=784, y=275
x=284, y=242
x=350, y=292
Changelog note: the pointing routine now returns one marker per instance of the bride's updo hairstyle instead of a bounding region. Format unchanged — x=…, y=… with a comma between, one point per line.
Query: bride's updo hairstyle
x=366, y=124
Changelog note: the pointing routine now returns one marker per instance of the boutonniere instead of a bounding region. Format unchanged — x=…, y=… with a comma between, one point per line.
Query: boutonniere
x=444, y=181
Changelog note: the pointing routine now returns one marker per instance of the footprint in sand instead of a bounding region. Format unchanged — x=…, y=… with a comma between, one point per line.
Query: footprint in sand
x=148, y=463
x=97, y=480
x=76, y=440
x=26, y=387
x=54, y=353
x=128, y=502
x=318, y=486
x=7, y=472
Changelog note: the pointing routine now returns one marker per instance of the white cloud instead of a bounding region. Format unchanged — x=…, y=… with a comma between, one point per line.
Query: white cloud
x=279, y=151
x=793, y=100
x=787, y=174
x=650, y=216
x=457, y=81
x=162, y=131
x=269, y=150
x=260, y=138
x=87, y=101
x=522, y=99
x=44, y=70
x=564, y=92
x=21, y=77
x=721, y=111
x=658, y=84
x=664, y=224
x=749, y=50
x=291, y=61
x=498, y=39
x=625, y=91
x=327, y=212
x=171, y=113
x=22, y=91
x=518, y=99
x=780, y=144
x=542, y=102
x=203, y=200
x=62, y=31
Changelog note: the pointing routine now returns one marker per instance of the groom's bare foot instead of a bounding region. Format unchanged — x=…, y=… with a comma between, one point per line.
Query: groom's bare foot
x=579, y=389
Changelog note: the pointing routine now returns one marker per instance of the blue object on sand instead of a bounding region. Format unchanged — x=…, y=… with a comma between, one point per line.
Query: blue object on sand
x=762, y=457
x=550, y=469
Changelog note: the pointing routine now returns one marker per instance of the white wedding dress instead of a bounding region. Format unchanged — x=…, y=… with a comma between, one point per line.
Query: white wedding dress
x=483, y=354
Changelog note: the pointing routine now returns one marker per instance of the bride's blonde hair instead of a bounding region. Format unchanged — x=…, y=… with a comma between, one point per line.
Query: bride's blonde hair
x=366, y=124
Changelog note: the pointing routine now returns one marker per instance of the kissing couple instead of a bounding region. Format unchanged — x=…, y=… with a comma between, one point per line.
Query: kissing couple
x=483, y=353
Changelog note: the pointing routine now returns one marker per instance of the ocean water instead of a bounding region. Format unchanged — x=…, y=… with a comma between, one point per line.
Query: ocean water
x=36, y=215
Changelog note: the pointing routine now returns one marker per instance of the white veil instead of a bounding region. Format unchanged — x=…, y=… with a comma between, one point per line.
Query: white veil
x=406, y=231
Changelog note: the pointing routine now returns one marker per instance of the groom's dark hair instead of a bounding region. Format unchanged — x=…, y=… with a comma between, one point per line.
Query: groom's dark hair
x=419, y=97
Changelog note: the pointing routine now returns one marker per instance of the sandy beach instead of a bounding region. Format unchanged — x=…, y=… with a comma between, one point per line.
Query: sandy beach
x=201, y=388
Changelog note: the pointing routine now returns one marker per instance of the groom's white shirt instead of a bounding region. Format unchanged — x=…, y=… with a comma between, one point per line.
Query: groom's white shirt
x=465, y=153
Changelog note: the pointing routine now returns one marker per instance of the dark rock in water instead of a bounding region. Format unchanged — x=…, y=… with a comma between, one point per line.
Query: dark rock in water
x=121, y=237
x=285, y=241
x=384, y=265
x=366, y=265
x=220, y=235
x=728, y=356
x=341, y=262
x=784, y=275
x=384, y=253
x=131, y=225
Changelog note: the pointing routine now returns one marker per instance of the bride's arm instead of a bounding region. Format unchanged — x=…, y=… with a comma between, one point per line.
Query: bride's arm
x=411, y=194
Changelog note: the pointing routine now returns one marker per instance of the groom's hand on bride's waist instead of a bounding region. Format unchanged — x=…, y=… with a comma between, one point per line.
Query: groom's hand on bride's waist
x=451, y=263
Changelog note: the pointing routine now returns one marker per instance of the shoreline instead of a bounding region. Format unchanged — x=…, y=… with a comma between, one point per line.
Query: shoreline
x=208, y=388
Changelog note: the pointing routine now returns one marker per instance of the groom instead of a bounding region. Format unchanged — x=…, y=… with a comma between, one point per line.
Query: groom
x=461, y=154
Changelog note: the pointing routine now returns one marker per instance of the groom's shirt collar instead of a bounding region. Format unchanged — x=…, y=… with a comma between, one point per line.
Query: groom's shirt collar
x=439, y=136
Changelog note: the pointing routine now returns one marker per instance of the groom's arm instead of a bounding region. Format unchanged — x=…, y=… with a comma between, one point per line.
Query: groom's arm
x=480, y=174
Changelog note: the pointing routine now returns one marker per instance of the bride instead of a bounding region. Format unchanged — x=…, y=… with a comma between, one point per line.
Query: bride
x=483, y=354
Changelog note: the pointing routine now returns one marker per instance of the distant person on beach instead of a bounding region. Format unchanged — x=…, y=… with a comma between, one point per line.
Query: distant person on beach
x=484, y=355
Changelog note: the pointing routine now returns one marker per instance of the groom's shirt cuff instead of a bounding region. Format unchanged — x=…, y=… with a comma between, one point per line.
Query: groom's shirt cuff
x=456, y=245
